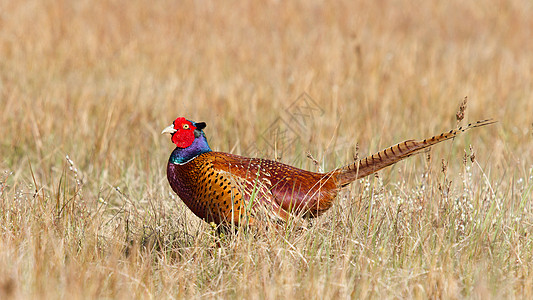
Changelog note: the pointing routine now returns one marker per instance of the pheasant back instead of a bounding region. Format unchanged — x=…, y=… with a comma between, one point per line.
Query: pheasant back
x=220, y=187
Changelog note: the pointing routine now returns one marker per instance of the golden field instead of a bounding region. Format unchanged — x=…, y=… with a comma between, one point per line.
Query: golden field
x=87, y=86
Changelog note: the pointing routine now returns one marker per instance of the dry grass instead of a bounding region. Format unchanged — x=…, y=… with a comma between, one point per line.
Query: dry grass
x=98, y=80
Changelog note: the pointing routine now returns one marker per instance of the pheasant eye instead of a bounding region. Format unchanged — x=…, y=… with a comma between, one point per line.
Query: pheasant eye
x=185, y=126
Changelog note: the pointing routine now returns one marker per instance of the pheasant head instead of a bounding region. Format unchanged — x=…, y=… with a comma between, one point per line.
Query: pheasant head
x=189, y=139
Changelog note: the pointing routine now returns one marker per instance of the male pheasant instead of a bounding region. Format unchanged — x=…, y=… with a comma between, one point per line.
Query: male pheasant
x=225, y=188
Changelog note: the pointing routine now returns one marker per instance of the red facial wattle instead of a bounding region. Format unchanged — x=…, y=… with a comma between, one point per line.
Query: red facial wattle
x=184, y=135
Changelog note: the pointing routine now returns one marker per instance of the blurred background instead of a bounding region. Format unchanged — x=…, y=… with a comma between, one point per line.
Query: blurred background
x=98, y=81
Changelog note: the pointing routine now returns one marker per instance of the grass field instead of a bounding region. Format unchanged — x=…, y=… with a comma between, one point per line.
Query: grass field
x=87, y=86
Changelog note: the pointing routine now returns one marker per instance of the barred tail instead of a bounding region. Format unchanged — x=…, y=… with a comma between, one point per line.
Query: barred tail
x=394, y=154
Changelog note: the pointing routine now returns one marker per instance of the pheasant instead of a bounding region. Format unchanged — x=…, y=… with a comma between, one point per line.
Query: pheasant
x=225, y=188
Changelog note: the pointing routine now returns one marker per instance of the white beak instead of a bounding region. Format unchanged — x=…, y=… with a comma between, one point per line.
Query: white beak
x=170, y=129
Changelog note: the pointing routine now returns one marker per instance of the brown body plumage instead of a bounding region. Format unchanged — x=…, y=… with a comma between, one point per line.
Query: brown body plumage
x=226, y=188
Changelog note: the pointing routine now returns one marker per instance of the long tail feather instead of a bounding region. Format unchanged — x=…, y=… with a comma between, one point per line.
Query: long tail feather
x=394, y=154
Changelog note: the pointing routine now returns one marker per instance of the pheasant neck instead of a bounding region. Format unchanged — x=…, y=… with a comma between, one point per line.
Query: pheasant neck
x=183, y=155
